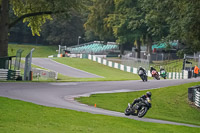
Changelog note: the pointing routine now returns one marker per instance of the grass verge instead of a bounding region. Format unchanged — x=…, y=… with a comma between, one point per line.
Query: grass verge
x=169, y=103
x=40, y=51
x=23, y=117
x=96, y=68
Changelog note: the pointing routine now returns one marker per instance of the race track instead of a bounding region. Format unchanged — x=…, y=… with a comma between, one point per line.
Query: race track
x=63, y=69
x=62, y=94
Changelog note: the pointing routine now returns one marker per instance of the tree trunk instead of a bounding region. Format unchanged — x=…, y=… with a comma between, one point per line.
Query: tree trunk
x=4, y=24
x=138, y=48
x=149, y=48
x=121, y=50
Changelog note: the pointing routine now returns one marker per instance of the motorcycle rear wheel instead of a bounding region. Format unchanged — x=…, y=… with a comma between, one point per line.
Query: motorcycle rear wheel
x=146, y=78
x=157, y=77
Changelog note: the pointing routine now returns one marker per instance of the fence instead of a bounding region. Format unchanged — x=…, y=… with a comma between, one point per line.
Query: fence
x=44, y=74
x=41, y=73
x=134, y=69
x=190, y=61
x=156, y=56
x=27, y=69
x=135, y=62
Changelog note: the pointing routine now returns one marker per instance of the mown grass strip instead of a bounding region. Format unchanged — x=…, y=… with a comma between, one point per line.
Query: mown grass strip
x=23, y=117
x=98, y=69
x=40, y=51
x=169, y=103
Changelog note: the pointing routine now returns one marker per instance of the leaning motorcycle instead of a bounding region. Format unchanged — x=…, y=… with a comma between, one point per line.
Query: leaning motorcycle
x=155, y=75
x=142, y=75
x=139, y=109
x=163, y=74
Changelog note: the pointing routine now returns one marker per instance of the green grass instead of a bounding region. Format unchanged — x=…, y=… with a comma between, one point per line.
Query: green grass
x=96, y=68
x=40, y=51
x=172, y=65
x=23, y=117
x=169, y=65
x=168, y=103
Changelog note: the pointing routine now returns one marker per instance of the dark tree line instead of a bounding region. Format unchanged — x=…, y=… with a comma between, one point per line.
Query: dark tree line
x=59, y=31
x=128, y=22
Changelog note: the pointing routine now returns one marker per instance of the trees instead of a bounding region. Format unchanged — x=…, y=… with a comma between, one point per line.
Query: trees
x=121, y=22
x=149, y=20
x=4, y=20
x=129, y=23
x=99, y=10
x=35, y=12
x=60, y=31
x=110, y=20
x=174, y=20
x=185, y=22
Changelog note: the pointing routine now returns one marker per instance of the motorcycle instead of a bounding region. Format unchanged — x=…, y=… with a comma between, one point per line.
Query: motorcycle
x=163, y=74
x=143, y=75
x=155, y=75
x=139, y=109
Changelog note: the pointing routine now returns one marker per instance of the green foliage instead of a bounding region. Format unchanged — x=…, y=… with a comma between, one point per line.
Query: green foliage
x=37, y=12
x=180, y=53
x=131, y=20
x=99, y=11
x=62, y=31
x=126, y=22
x=36, y=22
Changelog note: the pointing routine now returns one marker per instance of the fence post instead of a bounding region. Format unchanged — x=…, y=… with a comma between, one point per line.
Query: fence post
x=27, y=68
x=199, y=62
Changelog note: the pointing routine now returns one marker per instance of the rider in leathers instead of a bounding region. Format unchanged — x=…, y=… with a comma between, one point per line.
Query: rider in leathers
x=141, y=69
x=144, y=97
x=151, y=69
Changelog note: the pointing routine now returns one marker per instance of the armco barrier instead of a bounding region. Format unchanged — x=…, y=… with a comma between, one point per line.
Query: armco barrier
x=197, y=97
x=171, y=75
x=6, y=74
x=13, y=74
x=194, y=95
x=3, y=74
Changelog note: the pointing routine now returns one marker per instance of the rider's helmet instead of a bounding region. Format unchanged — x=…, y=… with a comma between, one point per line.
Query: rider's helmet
x=140, y=67
x=148, y=94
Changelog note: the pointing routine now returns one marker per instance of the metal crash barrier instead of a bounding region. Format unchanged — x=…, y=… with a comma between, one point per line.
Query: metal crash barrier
x=6, y=67
x=197, y=97
x=194, y=95
x=3, y=74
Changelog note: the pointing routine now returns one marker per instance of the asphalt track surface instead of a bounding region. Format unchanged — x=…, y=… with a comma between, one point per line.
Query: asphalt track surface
x=63, y=69
x=61, y=94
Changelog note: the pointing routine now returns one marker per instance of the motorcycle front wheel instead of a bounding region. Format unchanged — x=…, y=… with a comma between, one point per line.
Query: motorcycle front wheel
x=127, y=112
x=142, y=112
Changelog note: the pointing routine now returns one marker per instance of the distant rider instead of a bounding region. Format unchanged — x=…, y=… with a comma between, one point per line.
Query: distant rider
x=151, y=69
x=144, y=97
x=141, y=71
x=162, y=70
